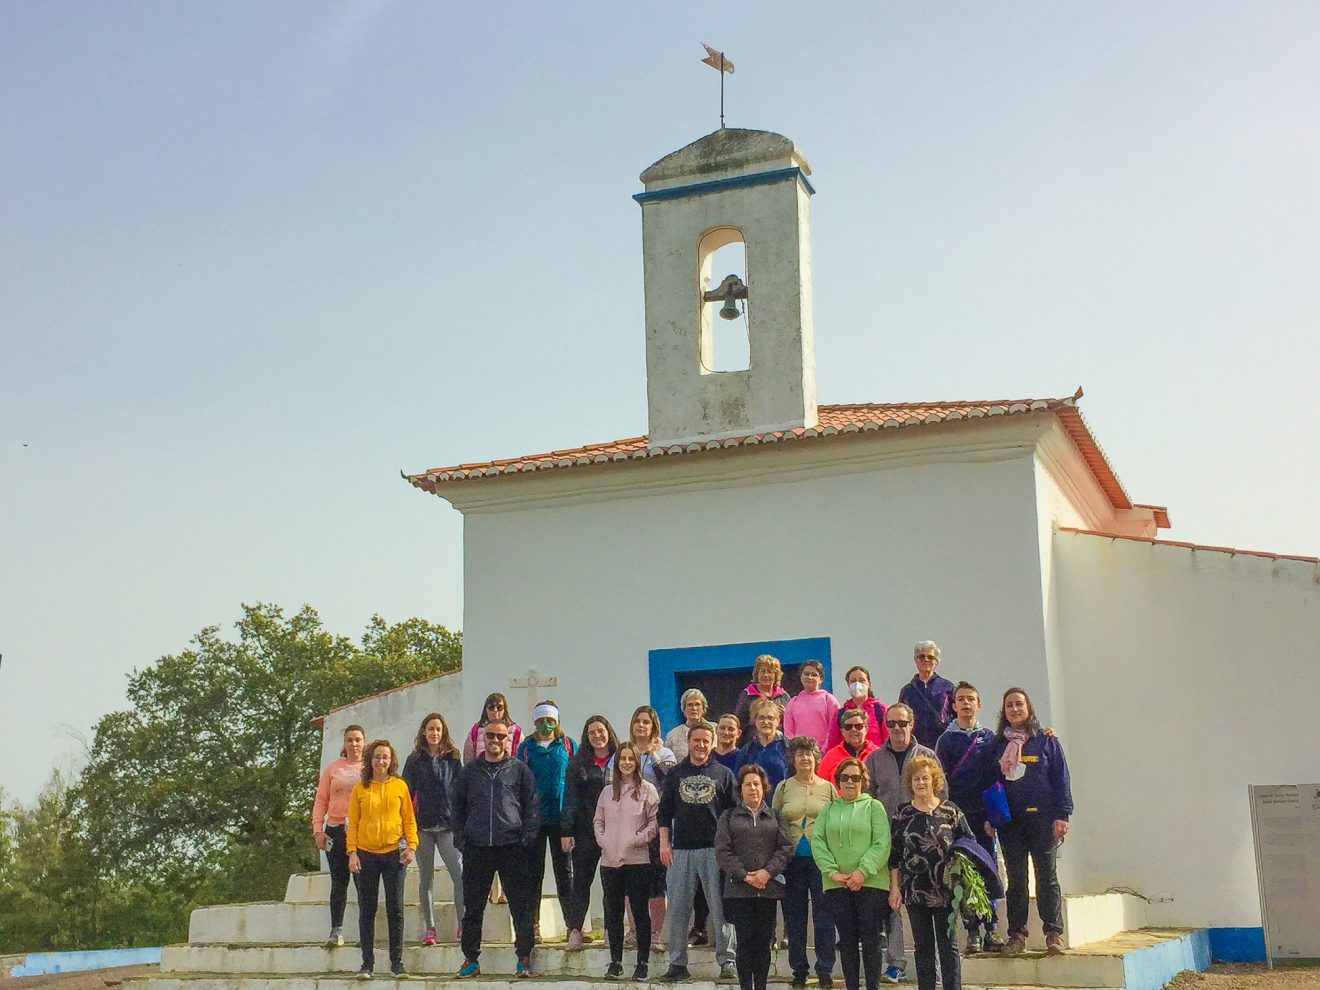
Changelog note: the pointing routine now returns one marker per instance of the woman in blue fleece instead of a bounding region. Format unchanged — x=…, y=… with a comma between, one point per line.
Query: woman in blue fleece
x=547, y=752
x=1035, y=775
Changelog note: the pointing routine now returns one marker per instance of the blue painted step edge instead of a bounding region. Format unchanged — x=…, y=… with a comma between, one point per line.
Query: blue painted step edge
x=1152, y=968
x=42, y=963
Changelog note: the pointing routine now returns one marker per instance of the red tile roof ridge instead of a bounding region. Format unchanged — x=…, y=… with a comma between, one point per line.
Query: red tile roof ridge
x=832, y=421
x=1190, y=546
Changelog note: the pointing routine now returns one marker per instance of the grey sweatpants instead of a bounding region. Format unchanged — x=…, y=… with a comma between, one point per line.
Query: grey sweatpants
x=894, y=950
x=692, y=867
x=428, y=841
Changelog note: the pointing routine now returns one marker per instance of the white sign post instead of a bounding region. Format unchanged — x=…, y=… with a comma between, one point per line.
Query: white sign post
x=1285, y=822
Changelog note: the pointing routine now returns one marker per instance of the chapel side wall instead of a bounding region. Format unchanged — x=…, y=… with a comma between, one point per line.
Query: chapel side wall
x=397, y=714
x=875, y=560
x=1190, y=674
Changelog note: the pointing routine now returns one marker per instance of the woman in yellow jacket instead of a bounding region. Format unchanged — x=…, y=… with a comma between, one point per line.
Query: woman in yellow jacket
x=382, y=839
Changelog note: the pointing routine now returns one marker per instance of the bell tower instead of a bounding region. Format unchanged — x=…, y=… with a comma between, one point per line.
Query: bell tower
x=730, y=187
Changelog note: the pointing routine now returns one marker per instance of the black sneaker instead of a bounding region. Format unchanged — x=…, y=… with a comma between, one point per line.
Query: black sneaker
x=399, y=972
x=676, y=974
x=799, y=981
x=614, y=971
x=639, y=972
x=826, y=981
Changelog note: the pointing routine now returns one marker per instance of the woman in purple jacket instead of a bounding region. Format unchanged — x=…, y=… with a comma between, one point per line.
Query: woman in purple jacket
x=1035, y=775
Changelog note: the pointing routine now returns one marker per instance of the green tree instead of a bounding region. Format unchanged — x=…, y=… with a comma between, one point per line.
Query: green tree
x=204, y=784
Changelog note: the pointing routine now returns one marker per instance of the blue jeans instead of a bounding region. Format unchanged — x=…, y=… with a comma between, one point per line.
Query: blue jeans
x=802, y=878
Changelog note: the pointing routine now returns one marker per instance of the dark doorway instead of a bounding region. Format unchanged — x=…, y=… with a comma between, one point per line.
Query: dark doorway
x=722, y=687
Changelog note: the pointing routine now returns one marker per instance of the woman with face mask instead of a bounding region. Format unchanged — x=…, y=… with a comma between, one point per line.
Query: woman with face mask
x=547, y=752
x=858, y=680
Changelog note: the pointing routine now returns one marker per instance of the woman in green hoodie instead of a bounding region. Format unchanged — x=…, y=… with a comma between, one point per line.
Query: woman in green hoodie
x=851, y=847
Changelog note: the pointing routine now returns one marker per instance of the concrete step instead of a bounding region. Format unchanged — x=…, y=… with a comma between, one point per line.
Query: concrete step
x=1149, y=958
x=1139, y=960
x=440, y=961
x=1087, y=918
x=305, y=888
x=282, y=923
x=345, y=981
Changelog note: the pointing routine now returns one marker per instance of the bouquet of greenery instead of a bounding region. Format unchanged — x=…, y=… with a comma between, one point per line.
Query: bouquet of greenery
x=970, y=900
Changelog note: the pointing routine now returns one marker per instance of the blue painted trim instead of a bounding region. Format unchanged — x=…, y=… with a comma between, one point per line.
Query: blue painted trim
x=720, y=185
x=1152, y=968
x=43, y=963
x=665, y=666
x=1237, y=944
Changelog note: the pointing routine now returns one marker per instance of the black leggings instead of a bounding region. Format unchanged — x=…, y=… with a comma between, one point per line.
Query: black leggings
x=754, y=925
x=1032, y=836
x=633, y=883
x=586, y=856
x=930, y=937
x=337, y=857
x=861, y=918
x=562, y=863
x=377, y=867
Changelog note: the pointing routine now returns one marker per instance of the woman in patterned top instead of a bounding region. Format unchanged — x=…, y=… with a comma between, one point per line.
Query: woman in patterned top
x=923, y=833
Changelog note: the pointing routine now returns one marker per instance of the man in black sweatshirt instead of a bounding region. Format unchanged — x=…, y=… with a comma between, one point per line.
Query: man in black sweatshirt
x=495, y=812
x=696, y=793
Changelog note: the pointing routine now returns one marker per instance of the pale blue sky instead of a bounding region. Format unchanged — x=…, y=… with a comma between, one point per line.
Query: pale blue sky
x=258, y=258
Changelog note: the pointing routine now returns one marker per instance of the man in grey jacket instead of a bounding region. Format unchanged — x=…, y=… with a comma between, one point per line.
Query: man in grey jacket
x=885, y=766
x=495, y=812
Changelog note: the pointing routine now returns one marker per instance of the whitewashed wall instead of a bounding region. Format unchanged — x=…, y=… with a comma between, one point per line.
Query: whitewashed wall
x=874, y=544
x=1189, y=675
x=396, y=715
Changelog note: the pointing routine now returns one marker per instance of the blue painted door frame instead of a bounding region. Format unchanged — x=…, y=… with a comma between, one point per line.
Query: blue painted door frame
x=665, y=666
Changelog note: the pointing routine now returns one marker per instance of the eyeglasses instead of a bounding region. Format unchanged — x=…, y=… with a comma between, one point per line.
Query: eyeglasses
x=497, y=735
x=926, y=656
x=850, y=778
x=897, y=724
x=854, y=725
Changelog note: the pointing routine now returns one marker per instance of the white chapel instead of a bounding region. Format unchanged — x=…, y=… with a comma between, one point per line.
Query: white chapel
x=753, y=519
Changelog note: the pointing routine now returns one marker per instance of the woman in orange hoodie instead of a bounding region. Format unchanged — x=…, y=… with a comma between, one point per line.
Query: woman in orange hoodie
x=329, y=820
x=382, y=840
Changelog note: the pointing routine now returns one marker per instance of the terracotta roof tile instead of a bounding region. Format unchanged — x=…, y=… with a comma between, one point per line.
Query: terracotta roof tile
x=1190, y=546
x=866, y=417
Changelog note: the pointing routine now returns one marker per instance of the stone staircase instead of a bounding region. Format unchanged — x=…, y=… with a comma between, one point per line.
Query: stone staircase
x=279, y=946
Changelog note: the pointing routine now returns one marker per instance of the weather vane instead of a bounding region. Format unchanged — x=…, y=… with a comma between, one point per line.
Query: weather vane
x=720, y=64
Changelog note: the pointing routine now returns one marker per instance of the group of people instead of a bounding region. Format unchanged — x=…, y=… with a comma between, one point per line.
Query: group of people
x=843, y=813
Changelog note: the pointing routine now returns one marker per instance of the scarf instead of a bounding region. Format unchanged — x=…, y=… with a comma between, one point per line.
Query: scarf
x=1008, y=763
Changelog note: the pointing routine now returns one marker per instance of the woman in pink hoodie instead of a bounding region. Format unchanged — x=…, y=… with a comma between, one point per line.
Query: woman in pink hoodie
x=625, y=824
x=329, y=818
x=813, y=711
x=766, y=677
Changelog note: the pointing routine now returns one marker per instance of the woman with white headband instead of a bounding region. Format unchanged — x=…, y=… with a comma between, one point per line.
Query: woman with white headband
x=547, y=752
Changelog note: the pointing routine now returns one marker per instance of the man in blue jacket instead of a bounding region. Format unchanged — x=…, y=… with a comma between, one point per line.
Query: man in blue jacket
x=496, y=813
x=928, y=695
x=966, y=751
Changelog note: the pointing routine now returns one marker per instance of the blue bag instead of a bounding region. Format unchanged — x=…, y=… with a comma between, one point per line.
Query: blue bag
x=995, y=800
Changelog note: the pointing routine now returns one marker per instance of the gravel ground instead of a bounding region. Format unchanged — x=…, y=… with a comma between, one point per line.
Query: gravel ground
x=1232, y=976
x=92, y=979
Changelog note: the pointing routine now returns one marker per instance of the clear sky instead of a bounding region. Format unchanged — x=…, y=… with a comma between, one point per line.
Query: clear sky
x=257, y=258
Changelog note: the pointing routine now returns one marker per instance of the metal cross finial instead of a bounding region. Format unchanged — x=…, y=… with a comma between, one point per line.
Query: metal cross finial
x=717, y=61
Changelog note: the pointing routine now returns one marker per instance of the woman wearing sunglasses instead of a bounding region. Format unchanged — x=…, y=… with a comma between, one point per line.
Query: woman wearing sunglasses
x=496, y=706
x=851, y=846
